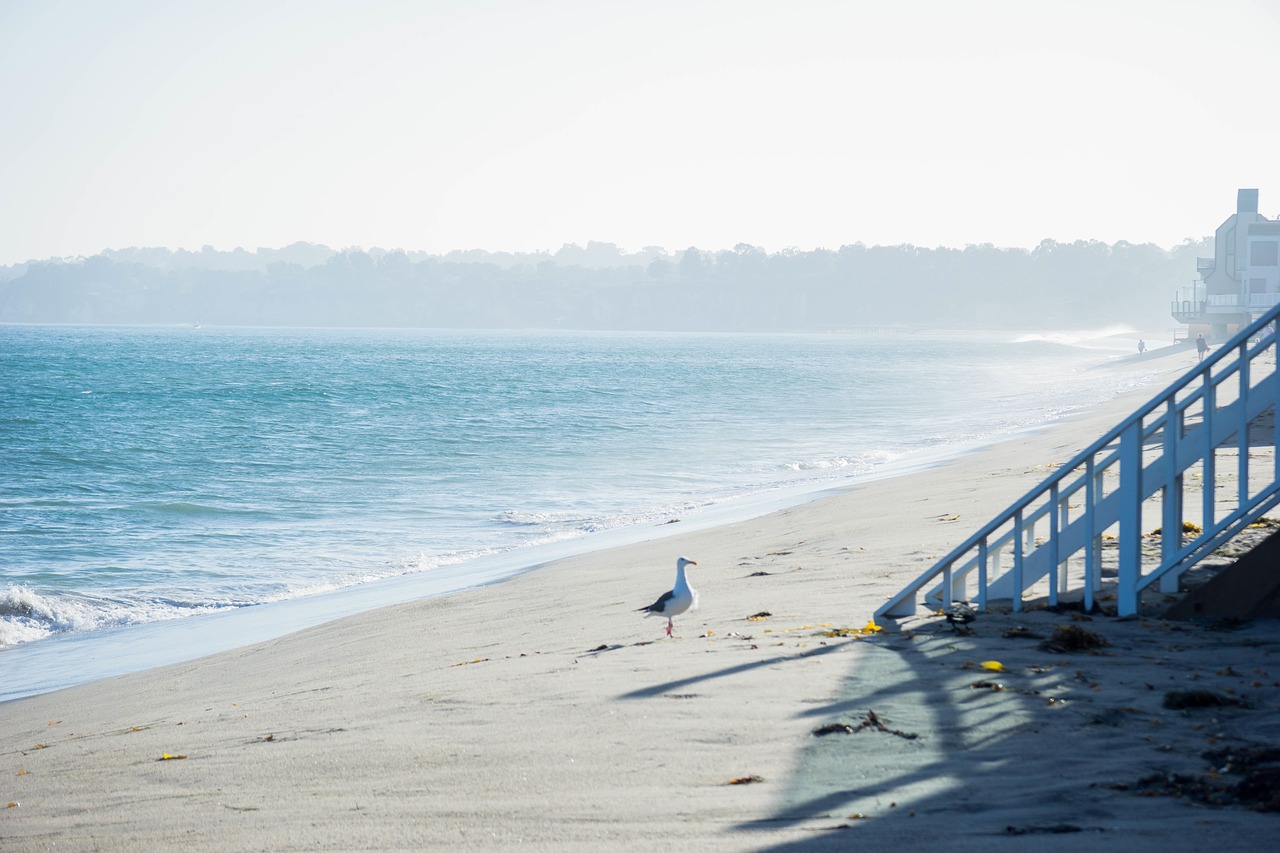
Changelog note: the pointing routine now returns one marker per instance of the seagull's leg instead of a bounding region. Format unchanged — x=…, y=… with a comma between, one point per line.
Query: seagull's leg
x=668, y=626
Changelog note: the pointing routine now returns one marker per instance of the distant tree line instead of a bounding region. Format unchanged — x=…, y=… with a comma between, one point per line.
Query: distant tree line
x=599, y=286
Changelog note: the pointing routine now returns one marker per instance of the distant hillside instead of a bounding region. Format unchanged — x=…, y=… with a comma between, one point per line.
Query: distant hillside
x=600, y=286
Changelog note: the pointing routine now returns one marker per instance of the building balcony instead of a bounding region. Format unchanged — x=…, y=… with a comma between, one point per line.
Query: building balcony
x=1222, y=308
x=1186, y=311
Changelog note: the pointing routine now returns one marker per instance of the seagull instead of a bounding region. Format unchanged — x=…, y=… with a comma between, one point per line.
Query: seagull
x=676, y=601
x=960, y=614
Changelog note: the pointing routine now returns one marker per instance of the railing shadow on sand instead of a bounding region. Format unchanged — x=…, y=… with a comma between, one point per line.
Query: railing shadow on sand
x=962, y=738
x=943, y=737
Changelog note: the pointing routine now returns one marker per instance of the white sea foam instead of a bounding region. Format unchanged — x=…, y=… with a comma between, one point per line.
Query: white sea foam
x=1090, y=338
x=26, y=615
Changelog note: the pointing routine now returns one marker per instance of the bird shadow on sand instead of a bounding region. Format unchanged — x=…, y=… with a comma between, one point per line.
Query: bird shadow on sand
x=668, y=686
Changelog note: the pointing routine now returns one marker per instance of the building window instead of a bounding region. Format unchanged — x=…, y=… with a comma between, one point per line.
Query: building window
x=1264, y=253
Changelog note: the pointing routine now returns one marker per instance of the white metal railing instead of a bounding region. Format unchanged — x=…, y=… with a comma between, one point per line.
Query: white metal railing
x=1050, y=542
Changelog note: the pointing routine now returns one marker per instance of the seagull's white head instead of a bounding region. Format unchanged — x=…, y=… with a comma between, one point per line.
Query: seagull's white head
x=681, y=562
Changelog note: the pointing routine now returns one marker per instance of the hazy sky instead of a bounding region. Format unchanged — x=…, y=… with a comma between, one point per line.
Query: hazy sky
x=526, y=125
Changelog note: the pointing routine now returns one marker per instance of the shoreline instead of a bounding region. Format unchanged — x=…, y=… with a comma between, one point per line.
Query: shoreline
x=58, y=661
x=73, y=658
x=545, y=711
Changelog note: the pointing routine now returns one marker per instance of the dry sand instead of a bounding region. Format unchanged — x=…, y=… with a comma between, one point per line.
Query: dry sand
x=546, y=712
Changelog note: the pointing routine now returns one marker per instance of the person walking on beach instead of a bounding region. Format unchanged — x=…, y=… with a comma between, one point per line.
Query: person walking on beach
x=1202, y=346
x=1142, y=346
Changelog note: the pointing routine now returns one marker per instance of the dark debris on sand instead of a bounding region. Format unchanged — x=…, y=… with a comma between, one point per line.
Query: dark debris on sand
x=870, y=721
x=1181, y=700
x=1073, y=638
x=1245, y=777
x=1043, y=829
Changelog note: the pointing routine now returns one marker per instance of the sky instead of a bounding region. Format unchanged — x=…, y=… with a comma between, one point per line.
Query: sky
x=522, y=126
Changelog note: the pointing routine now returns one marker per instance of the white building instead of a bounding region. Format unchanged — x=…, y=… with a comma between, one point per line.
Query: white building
x=1241, y=280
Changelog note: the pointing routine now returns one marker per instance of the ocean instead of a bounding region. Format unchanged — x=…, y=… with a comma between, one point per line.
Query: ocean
x=167, y=492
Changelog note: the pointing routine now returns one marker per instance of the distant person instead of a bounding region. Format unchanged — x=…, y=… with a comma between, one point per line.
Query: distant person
x=1202, y=346
x=1142, y=346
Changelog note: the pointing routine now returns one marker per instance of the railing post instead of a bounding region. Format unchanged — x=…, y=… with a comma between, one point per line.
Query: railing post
x=1275, y=412
x=982, y=573
x=1242, y=460
x=1093, y=550
x=1171, y=509
x=1208, y=462
x=1054, y=579
x=1130, y=518
x=1017, y=562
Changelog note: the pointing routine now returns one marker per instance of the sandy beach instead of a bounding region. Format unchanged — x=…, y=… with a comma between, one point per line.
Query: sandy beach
x=545, y=712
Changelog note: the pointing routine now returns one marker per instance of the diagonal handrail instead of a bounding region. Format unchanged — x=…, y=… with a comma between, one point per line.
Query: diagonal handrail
x=1110, y=485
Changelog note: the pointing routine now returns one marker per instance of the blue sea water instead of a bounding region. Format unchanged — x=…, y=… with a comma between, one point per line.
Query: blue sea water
x=152, y=474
